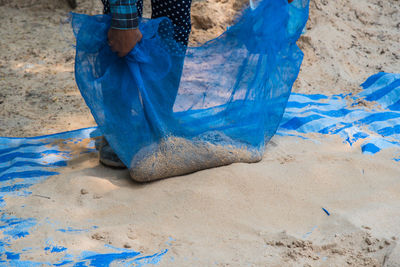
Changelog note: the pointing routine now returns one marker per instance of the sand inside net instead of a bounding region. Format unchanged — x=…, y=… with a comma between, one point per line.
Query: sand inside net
x=174, y=156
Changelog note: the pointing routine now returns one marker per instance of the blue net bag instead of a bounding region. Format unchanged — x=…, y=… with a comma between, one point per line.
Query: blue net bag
x=169, y=110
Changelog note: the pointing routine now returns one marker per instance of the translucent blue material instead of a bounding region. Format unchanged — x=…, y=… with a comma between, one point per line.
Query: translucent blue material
x=167, y=110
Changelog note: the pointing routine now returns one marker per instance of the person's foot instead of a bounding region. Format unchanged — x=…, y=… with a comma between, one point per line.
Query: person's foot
x=72, y=3
x=108, y=156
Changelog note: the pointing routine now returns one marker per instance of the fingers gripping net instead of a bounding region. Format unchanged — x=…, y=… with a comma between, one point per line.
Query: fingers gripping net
x=168, y=110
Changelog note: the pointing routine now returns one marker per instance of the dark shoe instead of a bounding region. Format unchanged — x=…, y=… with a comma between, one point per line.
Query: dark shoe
x=99, y=142
x=108, y=156
x=72, y=3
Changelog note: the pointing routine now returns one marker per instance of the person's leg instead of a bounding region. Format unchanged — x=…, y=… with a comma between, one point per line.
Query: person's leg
x=107, y=154
x=178, y=11
x=139, y=6
x=106, y=7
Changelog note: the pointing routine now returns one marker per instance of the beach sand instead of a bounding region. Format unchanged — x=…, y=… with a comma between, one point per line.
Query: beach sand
x=263, y=214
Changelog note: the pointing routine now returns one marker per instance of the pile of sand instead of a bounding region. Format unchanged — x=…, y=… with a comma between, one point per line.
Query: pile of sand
x=175, y=156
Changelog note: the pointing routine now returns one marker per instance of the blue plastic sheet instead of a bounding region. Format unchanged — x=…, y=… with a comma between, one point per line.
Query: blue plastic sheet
x=372, y=116
x=28, y=161
x=167, y=110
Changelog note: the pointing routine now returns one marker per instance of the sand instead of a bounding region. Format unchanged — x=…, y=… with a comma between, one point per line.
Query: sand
x=264, y=214
x=174, y=156
x=346, y=42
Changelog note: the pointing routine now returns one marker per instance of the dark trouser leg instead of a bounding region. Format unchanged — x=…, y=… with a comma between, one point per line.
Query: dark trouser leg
x=178, y=12
x=139, y=6
x=106, y=8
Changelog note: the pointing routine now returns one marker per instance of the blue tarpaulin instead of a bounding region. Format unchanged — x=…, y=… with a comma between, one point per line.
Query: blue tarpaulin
x=372, y=117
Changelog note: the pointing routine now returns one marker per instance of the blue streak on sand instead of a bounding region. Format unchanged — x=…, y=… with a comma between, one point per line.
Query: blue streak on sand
x=326, y=211
x=12, y=149
x=25, y=155
x=61, y=163
x=55, y=249
x=123, y=258
x=75, y=231
x=11, y=156
x=310, y=232
x=12, y=256
x=14, y=228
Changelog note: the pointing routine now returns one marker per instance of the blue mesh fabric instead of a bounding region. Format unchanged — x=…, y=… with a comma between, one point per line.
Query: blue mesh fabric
x=168, y=110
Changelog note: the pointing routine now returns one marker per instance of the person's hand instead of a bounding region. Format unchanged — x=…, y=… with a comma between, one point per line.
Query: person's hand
x=123, y=41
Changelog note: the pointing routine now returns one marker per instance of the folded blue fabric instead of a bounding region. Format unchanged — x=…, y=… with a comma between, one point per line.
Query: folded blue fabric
x=168, y=110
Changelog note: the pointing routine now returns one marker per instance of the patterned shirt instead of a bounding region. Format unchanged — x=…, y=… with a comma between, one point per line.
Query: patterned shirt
x=124, y=13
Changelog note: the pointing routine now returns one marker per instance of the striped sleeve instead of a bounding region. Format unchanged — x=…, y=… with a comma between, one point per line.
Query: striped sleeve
x=124, y=14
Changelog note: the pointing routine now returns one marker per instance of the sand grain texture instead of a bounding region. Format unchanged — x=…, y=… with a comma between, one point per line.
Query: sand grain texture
x=176, y=156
